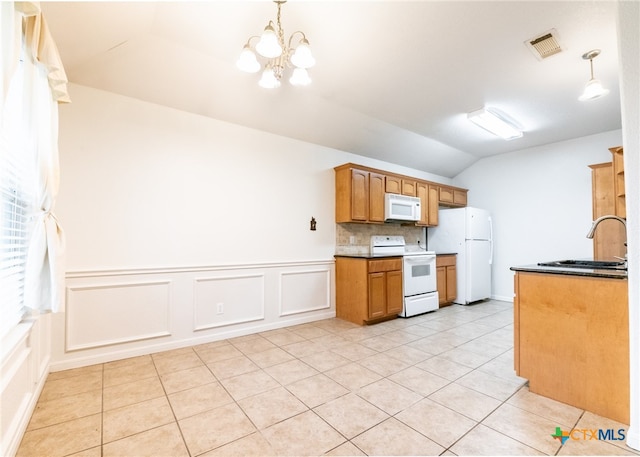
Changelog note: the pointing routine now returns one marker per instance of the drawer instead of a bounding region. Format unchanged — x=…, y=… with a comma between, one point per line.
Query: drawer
x=445, y=260
x=377, y=266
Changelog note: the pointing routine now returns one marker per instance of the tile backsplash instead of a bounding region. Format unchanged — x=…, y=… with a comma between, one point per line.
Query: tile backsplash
x=362, y=234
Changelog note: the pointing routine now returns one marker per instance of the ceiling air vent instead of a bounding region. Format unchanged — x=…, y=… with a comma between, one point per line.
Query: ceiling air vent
x=545, y=45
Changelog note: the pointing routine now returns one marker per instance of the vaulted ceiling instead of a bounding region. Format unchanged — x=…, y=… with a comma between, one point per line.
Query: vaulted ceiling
x=394, y=79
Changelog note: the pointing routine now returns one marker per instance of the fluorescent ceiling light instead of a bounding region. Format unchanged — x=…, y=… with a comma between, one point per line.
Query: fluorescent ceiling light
x=492, y=122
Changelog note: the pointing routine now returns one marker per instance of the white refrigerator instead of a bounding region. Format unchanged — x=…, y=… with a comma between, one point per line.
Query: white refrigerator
x=468, y=233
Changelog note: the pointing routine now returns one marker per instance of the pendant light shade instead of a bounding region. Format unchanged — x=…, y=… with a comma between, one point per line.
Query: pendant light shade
x=269, y=80
x=247, y=61
x=300, y=77
x=593, y=89
x=302, y=57
x=268, y=45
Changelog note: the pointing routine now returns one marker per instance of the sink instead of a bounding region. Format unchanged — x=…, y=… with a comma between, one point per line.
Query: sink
x=593, y=264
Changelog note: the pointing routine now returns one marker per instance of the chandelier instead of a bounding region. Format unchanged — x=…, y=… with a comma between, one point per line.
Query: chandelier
x=279, y=54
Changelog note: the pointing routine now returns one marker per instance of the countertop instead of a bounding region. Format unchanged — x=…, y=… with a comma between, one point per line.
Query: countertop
x=364, y=253
x=367, y=255
x=591, y=272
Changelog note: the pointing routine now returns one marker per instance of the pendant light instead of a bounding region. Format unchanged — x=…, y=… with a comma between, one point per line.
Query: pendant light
x=593, y=89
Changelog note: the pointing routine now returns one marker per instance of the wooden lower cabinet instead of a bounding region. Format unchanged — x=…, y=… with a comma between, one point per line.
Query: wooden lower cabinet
x=446, y=278
x=571, y=340
x=368, y=290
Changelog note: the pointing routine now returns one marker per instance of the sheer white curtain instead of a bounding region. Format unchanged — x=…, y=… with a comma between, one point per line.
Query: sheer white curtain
x=44, y=276
x=30, y=127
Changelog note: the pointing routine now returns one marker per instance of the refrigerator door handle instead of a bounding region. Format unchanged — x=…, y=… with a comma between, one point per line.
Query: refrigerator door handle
x=491, y=241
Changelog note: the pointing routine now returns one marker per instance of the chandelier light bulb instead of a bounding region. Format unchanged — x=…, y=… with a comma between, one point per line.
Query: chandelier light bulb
x=300, y=77
x=268, y=45
x=302, y=57
x=269, y=80
x=247, y=61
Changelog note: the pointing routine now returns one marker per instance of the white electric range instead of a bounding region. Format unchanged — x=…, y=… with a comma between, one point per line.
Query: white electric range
x=419, y=284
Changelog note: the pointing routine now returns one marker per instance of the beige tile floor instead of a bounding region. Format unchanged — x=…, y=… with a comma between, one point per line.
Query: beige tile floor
x=437, y=384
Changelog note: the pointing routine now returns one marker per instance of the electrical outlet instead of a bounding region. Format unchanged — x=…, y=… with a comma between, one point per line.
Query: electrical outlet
x=352, y=239
x=220, y=308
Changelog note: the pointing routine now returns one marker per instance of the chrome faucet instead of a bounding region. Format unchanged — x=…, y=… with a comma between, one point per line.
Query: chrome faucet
x=603, y=218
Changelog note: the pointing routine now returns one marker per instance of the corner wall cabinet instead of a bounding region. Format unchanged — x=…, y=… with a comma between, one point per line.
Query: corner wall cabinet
x=368, y=290
x=608, y=197
x=360, y=194
x=618, y=181
x=446, y=279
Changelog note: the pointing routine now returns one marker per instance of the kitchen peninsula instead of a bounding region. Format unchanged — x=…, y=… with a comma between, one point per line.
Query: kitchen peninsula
x=571, y=336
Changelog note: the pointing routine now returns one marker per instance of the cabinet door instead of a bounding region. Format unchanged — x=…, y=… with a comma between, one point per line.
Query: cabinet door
x=394, y=292
x=460, y=197
x=377, y=295
x=441, y=280
x=422, y=192
x=376, y=197
x=433, y=205
x=409, y=187
x=393, y=185
x=445, y=195
x=359, y=195
x=451, y=283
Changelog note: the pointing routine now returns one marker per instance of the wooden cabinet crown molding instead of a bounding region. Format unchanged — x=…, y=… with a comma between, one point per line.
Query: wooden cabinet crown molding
x=409, y=180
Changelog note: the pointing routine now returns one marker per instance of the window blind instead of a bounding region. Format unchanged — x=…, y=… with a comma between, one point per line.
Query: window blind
x=15, y=198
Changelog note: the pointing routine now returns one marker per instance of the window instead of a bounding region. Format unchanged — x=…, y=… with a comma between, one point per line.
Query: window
x=16, y=168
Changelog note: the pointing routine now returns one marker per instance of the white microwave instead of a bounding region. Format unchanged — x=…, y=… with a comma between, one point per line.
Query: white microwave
x=401, y=207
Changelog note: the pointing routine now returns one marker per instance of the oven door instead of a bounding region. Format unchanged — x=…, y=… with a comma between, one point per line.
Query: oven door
x=419, y=274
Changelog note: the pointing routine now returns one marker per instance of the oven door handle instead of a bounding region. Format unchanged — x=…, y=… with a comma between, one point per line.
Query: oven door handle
x=423, y=259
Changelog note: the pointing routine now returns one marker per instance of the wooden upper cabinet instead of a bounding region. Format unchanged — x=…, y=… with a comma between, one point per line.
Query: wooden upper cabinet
x=393, y=184
x=360, y=194
x=452, y=196
x=409, y=187
x=376, y=197
x=459, y=197
x=618, y=182
x=422, y=192
x=609, y=238
x=433, y=205
x=445, y=195
x=428, y=196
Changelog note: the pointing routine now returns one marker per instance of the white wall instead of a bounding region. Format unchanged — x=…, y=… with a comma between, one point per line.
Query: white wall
x=168, y=214
x=540, y=201
x=146, y=186
x=629, y=50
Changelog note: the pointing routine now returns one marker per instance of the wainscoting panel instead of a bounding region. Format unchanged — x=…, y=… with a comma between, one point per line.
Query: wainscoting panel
x=105, y=314
x=115, y=314
x=227, y=300
x=304, y=291
x=24, y=357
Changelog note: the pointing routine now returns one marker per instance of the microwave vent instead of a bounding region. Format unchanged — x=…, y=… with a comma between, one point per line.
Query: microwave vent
x=545, y=45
